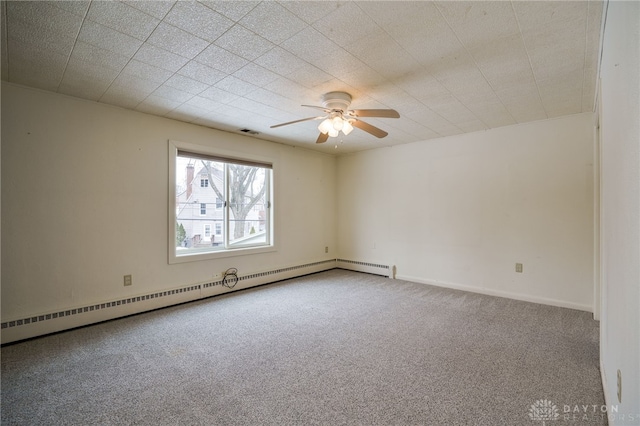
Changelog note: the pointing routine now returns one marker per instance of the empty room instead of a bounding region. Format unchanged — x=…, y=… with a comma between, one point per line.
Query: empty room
x=320, y=212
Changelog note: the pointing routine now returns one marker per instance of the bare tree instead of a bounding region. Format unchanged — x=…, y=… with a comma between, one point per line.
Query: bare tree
x=242, y=192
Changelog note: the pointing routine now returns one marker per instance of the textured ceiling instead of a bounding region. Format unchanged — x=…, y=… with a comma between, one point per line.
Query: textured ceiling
x=446, y=67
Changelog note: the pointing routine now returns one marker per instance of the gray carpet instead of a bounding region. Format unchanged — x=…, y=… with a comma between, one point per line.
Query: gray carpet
x=333, y=348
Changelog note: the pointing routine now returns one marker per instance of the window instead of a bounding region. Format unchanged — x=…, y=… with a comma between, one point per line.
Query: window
x=239, y=188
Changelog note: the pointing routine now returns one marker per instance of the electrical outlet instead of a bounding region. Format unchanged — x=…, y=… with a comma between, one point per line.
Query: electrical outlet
x=619, y=386
x=128, y=280
x=326, y=249
x=518, y=267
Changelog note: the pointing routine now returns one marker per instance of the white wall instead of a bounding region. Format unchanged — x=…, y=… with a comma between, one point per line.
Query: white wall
x=460, y=211
x=85, y=201
x=620, y=209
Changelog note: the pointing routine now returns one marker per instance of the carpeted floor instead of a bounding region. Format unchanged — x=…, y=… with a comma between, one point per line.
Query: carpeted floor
x=332, y=348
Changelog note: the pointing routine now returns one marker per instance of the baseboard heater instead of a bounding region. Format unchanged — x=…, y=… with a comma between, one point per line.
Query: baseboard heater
x=66, y=319
x=370, y=268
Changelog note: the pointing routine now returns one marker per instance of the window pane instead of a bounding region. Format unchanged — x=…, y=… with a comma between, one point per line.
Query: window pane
x=247, y=205
x=195, y=205
x=217, y=239
x=220, y=204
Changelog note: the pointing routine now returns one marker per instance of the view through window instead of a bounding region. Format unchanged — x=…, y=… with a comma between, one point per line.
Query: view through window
x=220, y=204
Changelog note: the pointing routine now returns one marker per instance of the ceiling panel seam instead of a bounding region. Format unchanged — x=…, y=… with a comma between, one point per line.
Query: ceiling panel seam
x=474, y=62
x=426, y=71
x=584, y=59
x=5, y=35
x=66, y=65
x=535, y=79
x=134, y=55
x=464, y=46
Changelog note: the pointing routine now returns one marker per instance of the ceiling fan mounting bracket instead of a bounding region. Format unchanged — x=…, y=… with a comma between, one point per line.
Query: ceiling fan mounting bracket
x=336, y=100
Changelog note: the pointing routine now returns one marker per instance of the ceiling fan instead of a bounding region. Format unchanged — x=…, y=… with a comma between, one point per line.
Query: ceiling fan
x=338, y=118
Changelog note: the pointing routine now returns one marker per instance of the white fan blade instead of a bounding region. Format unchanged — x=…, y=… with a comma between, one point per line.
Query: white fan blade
x=296, y=121
x=379, y=133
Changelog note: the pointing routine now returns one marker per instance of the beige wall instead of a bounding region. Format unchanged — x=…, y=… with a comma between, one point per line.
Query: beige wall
x=620, y=209
x=85, y=201
x=460, y=211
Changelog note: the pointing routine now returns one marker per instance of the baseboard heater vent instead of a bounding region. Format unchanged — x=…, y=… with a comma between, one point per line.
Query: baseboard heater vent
x=178, y=291
x=371, y=268
x=97, y=307
x=273, y=272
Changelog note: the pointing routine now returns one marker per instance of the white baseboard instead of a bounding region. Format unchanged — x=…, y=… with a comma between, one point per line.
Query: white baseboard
x=41, y=324
x=605, y=388
x=499, y=293
x=30, y=326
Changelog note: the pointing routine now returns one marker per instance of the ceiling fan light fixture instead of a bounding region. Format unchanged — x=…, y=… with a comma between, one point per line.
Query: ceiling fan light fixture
x=325, y=126
x=333, y=126
x=346, y=127
x=337, y=123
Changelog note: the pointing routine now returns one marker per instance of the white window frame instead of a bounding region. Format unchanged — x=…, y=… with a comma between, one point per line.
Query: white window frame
x=173, y=257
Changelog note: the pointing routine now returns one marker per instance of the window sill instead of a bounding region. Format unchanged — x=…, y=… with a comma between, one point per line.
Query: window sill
x=195, y=257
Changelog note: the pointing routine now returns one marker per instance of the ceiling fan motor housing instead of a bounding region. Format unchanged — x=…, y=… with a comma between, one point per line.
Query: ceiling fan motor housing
x=336, y=100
